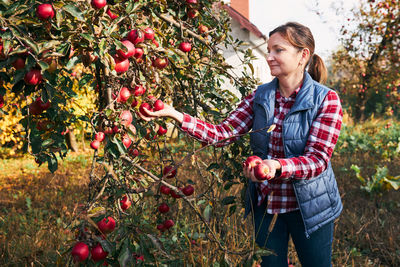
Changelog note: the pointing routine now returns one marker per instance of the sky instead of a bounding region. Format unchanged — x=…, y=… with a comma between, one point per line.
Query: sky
x=267, y=15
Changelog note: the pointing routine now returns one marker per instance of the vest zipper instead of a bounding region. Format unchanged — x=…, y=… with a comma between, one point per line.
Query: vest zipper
x=295, y=190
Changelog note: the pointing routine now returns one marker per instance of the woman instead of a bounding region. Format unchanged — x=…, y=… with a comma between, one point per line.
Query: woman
x=301, y=190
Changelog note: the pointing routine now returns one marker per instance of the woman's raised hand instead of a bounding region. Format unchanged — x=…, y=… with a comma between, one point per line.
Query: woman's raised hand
x=167, y=111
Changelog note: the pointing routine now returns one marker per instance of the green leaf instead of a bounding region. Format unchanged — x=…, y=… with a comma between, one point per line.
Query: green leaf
x=72, y=62
x=129, y=7
x=60, y=18
x=207, y=212
x=43, y=65
x=252, y=68
x=47, y=142
x=52, y=163
x=87, y=36
x=228, y=200
x=85, y=79
x=394, y=183
x=125, y=256
x=32, y=45
x=74, y=11
x=213, y=166
x=18, y=76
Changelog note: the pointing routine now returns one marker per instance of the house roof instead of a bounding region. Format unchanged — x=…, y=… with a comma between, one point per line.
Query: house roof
x=244, y=22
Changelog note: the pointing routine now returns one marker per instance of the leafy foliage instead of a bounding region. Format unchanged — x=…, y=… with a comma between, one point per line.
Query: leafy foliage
x=365, y=69
x=76, y=55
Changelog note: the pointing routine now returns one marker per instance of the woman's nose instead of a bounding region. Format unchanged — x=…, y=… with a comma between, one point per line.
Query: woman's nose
x=269, y=57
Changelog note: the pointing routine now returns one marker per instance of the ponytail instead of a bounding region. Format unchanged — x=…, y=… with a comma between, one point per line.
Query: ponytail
x=317, y=69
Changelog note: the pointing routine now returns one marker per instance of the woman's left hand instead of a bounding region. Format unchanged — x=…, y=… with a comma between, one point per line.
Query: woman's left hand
x=272, y=164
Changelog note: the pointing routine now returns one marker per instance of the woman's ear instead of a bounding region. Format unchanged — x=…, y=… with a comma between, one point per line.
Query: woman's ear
x=305, y=56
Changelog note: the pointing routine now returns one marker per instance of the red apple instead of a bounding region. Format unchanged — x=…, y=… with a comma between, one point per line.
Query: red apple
x=139, y=90
x=160, y=62
x=163, y=208
x=202, y=29
x=133, y=152
x=121, y=65
x=33, y=77
x=161, y=130
x=185, y=47
x=134, y=103
x=112, y=15
x=95, y=144
x=192, y=13
x=65, y=131
x=106, y=225
x=45, y=11
x=19, y=63
x=126, y=117
x=175, y=194
x=191, y=1
x=261, y=171
x=158, y=105
x=80, y=252
x=130, y=50
x=165, y=190
x=169, y=171
x=148, y=33
x=43, y=105
x=143, y=107
x=123, y=95
x=1, y=101
x=127, y=141
x=125, y=203
x=115, y=129
x=155, y=42
x=252, y=161
x=99, y=136
x=98, y=253
x=168, y=224
x=138, y=53
x=161, y=227
x=98, y=4
x=136, y=36
x=108, y=130
x=43, y=125
x=188, y=190
x=37, y=107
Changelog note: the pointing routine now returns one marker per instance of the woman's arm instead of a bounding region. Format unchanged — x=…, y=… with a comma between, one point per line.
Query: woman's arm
x=324, y=134
x=238, y=122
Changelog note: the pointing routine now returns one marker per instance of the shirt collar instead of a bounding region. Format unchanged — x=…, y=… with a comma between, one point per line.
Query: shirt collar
x=281, y=98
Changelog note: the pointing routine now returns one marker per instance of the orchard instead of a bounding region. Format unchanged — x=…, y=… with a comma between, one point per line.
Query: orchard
x=124, y=57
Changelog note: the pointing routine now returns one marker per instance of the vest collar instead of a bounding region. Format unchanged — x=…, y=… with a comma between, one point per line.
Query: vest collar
x=304, y=98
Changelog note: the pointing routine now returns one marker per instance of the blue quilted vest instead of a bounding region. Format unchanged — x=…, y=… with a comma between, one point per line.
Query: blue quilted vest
x=318, y=198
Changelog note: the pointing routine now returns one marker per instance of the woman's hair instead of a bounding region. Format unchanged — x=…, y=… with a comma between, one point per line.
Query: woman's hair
x=301, y=37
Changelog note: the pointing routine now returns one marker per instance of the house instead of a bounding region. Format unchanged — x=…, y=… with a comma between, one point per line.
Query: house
x=243, y=29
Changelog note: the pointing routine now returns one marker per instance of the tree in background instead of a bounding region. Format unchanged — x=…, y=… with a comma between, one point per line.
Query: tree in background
x=366, y=69
x=130, y=54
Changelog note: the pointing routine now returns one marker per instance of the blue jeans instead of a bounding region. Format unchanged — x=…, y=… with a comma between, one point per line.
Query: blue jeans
x=315, y=251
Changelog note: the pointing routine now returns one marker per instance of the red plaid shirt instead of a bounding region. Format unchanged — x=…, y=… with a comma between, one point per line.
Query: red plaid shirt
x=323, y=137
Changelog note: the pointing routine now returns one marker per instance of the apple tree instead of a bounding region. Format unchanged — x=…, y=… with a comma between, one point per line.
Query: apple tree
x=366, y=69
x=132, y=54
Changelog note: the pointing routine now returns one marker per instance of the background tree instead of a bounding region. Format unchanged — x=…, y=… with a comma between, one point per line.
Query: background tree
x=365, y=69
x=130, y=54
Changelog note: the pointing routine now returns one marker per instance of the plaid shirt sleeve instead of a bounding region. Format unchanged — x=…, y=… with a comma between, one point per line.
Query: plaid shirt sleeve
x=239, y=121
x=324, y=134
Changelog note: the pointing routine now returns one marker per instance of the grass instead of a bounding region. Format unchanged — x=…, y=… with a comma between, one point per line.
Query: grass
x=36, y=207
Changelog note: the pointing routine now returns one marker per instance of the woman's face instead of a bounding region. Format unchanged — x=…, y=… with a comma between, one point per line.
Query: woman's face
x=283, y=58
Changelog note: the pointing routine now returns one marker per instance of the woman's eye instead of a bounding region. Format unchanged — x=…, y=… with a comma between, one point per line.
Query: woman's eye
x=279, y=50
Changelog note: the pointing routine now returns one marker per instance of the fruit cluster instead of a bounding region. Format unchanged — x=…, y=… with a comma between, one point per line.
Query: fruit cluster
x=255, y=163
